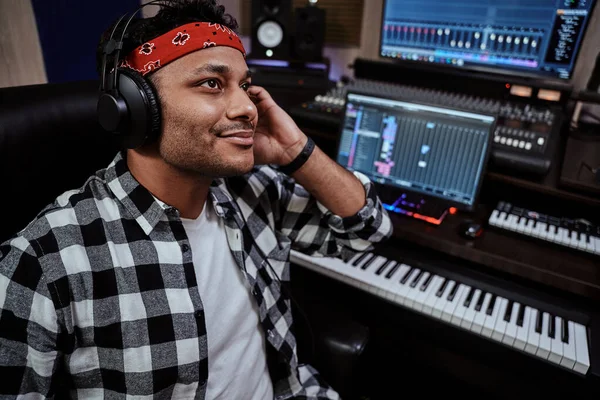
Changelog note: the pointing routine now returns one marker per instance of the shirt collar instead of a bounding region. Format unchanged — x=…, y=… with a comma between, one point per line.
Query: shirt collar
x=140, y=203
x=146, y=209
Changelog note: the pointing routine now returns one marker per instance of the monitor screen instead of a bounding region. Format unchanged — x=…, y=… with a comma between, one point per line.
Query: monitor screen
x=424, y=149
x=538, y=38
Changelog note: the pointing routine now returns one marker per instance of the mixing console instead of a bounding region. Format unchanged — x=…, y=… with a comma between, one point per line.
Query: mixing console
x=524, y=137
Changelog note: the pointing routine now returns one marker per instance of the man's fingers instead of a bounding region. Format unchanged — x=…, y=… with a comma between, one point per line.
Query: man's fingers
x=258, y=93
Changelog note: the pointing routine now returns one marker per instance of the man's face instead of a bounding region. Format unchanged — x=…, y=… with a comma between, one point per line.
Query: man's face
x=208, y=118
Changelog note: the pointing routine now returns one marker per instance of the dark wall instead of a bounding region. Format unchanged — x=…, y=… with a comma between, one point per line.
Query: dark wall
x=69, y=31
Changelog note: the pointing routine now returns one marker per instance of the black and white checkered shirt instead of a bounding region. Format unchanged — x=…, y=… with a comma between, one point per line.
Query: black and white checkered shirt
x=99, y=293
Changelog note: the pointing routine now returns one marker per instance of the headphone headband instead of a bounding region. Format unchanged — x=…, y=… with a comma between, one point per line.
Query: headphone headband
x=112, y=46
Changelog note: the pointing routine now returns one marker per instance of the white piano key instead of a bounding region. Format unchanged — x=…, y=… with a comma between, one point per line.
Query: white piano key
x=545, y=347
x=500, y=325
x=563, y=236
x=511, y=223
x=469, y=315
x=596, y=245
x=493, y=220
x=569, y=356
x=382, y=282
x=529, y=227
x=553, y=234
x=582, y=241
x=490, y=320
x=539, y=230
x=459, y=309
x=403, y=288
x=412, y=292
x=521, y=224
x=523, y=331
x=369, y=278
x=556, y=352
x=393, y=285
x=533, y=338
x=480, y=315
x=456, y=308
x=543, y=232
x=441, y=301
x=582, y=363
x=502, y=219
x=422, y=294
x=590, y=245
x=431, y=298
x=572, y=239
x=511, y=327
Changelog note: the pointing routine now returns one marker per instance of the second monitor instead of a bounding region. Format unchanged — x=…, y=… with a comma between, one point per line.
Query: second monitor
x=417, y=148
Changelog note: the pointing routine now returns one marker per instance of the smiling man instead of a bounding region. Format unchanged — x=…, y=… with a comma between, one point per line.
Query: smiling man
x=161, y=276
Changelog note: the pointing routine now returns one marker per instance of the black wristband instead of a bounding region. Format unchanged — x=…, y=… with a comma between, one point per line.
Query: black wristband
x=300, y=159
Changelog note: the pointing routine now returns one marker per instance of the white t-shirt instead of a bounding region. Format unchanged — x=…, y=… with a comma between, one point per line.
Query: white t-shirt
x=237, y=366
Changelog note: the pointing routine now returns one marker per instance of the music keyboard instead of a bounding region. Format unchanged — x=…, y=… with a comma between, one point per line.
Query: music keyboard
x=561, y=231
x=464, y=303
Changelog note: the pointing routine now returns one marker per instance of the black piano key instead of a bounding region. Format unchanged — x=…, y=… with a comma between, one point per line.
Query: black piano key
x=467, y=302
x=406, y=275
x=491, y=306
x=417, y=279
x=539, y=321
x=521, y=315
x=552, y=326
x=565, y=331
x=508, y=312
x=453, y=291
x=359, y=259
x=426, y=283
x=442, y=288
x=392, y=271
x=479, y=303
x=368, y=263
x=383, y=267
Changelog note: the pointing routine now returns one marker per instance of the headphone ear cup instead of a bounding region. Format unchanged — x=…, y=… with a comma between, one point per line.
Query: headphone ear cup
x=144, y=108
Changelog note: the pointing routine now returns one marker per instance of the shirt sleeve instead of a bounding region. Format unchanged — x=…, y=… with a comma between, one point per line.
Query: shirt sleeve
x=315, y=230
x=28, y=324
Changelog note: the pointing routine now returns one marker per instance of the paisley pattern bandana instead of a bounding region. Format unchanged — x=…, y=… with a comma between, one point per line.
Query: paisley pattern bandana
x=178, y=42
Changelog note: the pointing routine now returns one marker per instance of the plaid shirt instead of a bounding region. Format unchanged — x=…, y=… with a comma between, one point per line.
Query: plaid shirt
x=98, y=293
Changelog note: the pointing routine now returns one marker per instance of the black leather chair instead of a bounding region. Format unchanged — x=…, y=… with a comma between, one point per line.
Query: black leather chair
x=50, y=142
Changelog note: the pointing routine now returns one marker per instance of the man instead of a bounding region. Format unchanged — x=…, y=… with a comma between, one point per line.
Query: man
x=160, y=277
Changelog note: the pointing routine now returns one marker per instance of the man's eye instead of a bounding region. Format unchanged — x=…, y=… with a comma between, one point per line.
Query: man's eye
x=246, y=86
x=211, y=83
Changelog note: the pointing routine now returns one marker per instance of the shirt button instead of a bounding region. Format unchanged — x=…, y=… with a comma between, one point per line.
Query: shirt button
x=185, y=248
x=271, y=334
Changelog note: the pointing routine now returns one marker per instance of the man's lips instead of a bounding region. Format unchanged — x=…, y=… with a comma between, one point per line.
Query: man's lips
x=244, y=137
x=243, y=134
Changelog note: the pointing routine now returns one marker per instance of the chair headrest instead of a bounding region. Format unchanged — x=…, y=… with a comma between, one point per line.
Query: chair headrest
x=50, y=142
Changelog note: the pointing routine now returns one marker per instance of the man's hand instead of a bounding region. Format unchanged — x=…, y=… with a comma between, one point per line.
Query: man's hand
x=277, y=139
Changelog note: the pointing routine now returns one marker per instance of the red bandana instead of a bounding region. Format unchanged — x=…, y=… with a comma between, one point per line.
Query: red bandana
x=174, y=44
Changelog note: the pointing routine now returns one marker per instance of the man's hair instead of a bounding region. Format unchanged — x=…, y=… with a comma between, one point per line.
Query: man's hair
x=173, y=13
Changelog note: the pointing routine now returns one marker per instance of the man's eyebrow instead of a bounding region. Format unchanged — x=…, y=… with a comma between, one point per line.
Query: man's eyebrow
x=220, y=69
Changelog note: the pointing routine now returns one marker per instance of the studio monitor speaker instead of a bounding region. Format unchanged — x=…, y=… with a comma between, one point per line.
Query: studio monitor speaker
x=309, y=35
x=271, y=35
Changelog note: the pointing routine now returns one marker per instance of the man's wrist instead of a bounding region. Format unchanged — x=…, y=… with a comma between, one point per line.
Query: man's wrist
x=300, y=159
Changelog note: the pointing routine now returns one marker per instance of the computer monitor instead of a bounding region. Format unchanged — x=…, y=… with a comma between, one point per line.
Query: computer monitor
x=535, y=38
x=434, y=151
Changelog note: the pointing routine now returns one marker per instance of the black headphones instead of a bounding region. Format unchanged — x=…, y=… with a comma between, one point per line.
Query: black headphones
x=128, y=102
